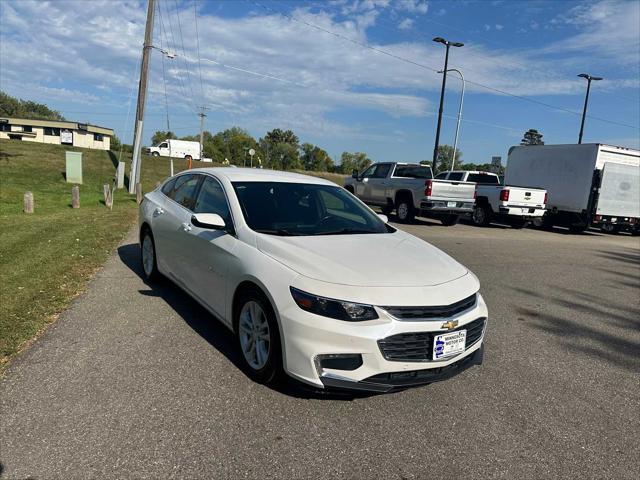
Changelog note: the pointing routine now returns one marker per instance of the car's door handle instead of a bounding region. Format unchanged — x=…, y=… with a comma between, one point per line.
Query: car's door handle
x=186, y=227
x=158, y=211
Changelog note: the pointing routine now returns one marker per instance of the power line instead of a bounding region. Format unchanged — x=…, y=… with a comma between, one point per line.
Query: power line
x=426, y=67
x=183, y=49
x=164, y=79
x=195, y=16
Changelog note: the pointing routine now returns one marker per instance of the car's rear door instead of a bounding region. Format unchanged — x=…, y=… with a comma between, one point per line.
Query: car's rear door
x=171, y=227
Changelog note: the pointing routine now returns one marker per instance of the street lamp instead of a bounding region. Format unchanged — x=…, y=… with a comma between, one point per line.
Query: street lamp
x=586, y=99
x=447, y=44
x=455, y=141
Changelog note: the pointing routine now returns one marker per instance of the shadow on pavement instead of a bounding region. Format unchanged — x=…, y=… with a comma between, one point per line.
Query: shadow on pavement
x=214, y=332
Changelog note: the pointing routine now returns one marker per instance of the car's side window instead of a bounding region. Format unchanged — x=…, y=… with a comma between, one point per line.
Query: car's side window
x=382, y=170
x=211, y=199
x=167, y=188
x=457, y=176
x=185, y=190
x=370, y=172
x=442, y=176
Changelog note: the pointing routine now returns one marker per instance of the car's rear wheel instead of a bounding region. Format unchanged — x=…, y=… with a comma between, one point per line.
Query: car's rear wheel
x=148, y=256
x=610, y=228
x=258, y=337
x=155, y=154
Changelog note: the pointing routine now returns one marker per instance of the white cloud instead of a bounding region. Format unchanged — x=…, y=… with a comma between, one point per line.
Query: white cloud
x=413, y=6
x=499, y=27
x=406, y=24
x=487, y=27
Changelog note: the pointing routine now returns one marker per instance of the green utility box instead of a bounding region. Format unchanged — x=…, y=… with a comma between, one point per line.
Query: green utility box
x=74, y=167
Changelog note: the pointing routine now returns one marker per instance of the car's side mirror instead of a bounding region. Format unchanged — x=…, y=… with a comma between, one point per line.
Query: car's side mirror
x=383, y=217
x=211, y=221
x=354, y=174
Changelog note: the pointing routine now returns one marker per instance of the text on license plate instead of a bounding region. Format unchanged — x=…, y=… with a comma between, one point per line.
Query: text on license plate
x=448, y=344
x=452, y=204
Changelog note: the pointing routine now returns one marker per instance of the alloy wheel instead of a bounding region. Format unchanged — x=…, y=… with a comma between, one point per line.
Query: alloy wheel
x=255, y=339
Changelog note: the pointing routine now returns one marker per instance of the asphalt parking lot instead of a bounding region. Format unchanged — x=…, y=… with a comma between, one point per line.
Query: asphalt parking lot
x=137, y=381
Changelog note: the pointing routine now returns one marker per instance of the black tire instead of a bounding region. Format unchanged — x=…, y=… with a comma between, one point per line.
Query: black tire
x=481, y=215
x=518, y=223
x=149, y=270
x=610, y=228
x=449, y=220
x=155, y=154
x=405, y=211
x=272, y=370
x=387, y=209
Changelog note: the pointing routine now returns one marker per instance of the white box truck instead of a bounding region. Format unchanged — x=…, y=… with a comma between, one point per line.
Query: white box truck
x=176, y=149
x=588, y=184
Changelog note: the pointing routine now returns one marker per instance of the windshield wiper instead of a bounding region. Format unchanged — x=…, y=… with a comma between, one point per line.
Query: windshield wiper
x=280, y=231
x=345, y=231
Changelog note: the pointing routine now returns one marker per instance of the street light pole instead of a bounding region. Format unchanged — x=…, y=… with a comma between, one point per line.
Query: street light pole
x=447, y=44
x=586, y=100
x=455, y=141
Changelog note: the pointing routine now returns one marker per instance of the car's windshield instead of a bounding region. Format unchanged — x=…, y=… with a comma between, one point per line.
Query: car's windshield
x=288, y=209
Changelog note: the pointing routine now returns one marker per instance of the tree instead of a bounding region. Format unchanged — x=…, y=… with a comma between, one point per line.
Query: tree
x=276, y=136
x=315, y=158
x=532, y=137
x=232, y=144
x=15, y=107
x=445, y=153
x=354, y=161
x=161, y=136
x=280, y=150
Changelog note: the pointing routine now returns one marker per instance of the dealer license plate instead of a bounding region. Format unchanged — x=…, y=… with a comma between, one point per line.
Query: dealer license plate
x=452, y=204
x=448, y=344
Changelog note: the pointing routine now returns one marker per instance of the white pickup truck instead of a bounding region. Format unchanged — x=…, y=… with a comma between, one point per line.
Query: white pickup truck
x=513, y=205
x=411, y=190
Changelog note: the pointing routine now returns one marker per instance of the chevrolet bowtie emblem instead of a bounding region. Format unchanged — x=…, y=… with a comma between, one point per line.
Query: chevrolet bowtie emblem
x=450, y=325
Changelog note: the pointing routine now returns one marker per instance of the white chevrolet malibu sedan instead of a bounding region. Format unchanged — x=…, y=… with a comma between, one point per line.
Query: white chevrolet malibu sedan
x=311, y=281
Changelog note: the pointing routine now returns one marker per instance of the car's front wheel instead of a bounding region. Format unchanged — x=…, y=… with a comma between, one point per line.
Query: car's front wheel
x=148, y=256
x=258, y=337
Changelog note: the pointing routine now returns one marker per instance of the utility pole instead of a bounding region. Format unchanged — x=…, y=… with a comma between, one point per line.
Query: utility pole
x=134, y=176
x=202, y=115
x=589, y=78
x=447, y=44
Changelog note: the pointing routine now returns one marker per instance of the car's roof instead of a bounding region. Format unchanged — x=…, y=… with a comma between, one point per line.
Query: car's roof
x=482, y=172
x=261, y=175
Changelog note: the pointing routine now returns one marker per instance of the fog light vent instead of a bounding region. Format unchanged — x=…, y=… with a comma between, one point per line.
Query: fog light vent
x=338, y=361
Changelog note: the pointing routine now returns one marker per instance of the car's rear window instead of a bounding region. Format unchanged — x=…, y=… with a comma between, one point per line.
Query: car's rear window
x=483, y=178
x=412, y=171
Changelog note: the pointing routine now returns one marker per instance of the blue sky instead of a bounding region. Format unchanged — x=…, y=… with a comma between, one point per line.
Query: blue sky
x=317, y=68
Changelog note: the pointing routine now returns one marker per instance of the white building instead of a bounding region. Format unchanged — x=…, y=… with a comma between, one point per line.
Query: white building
x=58, y=133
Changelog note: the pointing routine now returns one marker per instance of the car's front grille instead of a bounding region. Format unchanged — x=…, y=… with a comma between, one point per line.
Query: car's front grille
x=434, y=311
x=418, y=346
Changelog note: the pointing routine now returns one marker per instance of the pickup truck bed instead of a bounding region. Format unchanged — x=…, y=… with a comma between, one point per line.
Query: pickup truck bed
x=411, y=190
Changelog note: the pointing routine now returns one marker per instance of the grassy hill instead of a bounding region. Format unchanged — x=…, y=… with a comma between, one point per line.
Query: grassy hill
x=46, y=258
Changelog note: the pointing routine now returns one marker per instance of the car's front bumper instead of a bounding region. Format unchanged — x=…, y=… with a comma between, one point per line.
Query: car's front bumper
x=385, y=382
x=308, y=337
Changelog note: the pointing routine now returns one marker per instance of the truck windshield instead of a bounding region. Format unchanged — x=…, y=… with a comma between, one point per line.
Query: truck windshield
x=413, y=171
x=296, y=209
x=483, y=178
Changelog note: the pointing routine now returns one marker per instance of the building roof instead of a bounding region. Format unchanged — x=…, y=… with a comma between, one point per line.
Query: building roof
x=261, y=175
x=58, y=124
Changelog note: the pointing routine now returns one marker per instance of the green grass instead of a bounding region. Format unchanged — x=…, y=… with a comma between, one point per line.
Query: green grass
x=47, y=258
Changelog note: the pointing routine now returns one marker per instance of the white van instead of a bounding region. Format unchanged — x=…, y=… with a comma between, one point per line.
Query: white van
x=176, y=149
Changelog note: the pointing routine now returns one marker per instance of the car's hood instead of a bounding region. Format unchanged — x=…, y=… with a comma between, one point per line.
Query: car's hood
x=374, y=260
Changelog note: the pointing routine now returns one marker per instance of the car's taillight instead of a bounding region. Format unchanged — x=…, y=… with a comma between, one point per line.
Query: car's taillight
x=504, y=195
x=429, y=188
x=546, y=197
x=598, y=218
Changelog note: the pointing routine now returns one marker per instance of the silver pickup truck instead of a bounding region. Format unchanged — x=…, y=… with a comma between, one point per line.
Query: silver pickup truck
x=411, y=190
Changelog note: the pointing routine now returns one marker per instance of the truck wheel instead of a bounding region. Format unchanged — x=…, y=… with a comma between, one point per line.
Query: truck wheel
x=518, y=223
x=155, y=154
x=449, y=220
x=610, y=228
x=481, y=216
x=387, y=209
x=577, y=228
x=405, y=211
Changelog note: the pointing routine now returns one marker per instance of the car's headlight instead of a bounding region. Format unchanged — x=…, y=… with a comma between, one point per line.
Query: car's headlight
x=338, y=309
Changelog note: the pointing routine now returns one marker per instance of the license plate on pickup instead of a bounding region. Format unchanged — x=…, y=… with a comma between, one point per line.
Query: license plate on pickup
x=448, y=344
x=452, y=204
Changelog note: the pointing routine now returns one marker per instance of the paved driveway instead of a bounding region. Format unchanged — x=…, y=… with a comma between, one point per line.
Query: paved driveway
x=140, y=382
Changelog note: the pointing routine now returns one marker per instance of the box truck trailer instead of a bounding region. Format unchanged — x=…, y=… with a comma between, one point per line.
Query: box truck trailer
x=588, y=184
x=176, y=149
